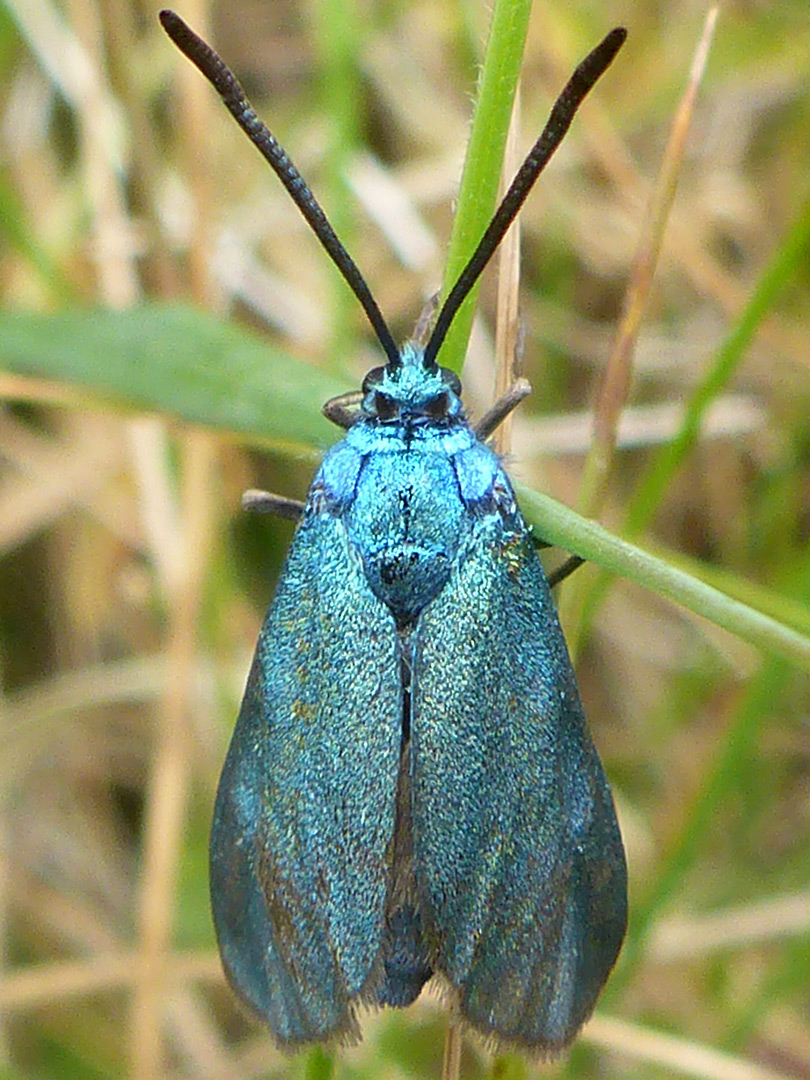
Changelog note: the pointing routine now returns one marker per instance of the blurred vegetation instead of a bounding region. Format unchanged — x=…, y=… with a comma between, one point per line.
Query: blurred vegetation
x=168, y=332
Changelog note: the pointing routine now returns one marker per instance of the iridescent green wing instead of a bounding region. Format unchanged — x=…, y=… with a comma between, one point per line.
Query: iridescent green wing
x=519, y=863
x=304, y=818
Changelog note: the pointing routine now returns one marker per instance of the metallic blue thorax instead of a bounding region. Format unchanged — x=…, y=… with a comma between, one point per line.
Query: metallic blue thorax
x=411, y=487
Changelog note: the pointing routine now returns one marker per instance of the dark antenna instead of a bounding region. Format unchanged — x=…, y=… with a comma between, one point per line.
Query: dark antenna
x=576, y=89
x=225, y=83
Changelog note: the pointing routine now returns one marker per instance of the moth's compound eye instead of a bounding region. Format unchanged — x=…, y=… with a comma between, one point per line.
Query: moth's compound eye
x=451, y=381
x=385, y=407
x=373, y=379
x=436, y=408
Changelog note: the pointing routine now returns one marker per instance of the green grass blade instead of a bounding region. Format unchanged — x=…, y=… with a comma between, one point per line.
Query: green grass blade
x=560, y=526
x=176, y=360
x=789, y=258
x=483, y=163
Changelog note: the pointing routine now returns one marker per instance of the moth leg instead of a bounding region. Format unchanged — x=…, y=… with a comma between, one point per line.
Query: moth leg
x=564, y=570
x=264, y=502
x=519, y=389
x=342, y=410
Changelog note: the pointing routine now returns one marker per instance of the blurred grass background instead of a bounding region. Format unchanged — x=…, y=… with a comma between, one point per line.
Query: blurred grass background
x=132, y=587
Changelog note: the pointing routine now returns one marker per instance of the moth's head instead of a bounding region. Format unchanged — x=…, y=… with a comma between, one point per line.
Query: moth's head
x=412, y=387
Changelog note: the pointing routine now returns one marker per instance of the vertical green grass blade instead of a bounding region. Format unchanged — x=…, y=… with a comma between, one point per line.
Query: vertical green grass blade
x=482, y=165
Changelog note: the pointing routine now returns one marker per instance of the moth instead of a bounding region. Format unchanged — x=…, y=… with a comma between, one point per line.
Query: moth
x=411, y=791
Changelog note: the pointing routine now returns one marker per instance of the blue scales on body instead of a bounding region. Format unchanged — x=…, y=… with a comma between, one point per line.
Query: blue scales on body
x=413, y=647
x=409, y=480
x=411, y=790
